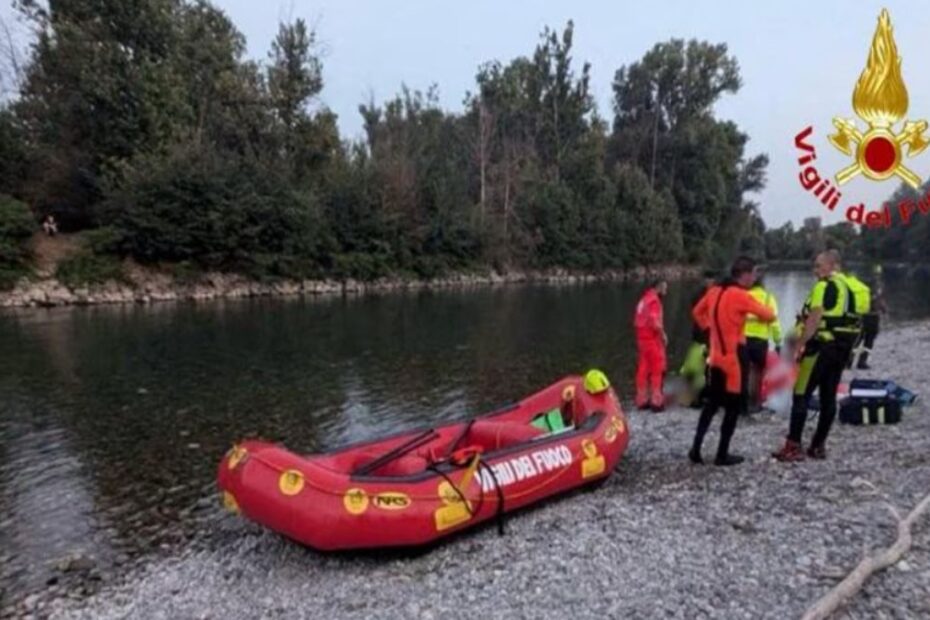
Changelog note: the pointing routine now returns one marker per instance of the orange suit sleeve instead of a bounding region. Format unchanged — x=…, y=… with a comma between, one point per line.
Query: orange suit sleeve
x=748, y=305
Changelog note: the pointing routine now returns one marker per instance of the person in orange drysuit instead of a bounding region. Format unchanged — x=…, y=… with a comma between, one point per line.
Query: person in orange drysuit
x=723, y=311
x=650, y=343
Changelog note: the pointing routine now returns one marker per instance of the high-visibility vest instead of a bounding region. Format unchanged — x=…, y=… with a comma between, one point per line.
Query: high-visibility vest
x=837, y=323
x=860, y=295
x=758, y=329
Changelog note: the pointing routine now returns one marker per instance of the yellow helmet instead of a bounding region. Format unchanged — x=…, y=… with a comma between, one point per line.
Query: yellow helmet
x=595, y=382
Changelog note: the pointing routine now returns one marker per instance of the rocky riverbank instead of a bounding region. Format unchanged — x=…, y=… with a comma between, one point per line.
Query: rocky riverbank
x=148, y=286
x=662, y=539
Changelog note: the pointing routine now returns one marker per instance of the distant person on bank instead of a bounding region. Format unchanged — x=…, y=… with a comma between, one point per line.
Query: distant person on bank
x=828, y=333
x=758, y=334
x=723, y=311
x=651, y=341
x=50, y=226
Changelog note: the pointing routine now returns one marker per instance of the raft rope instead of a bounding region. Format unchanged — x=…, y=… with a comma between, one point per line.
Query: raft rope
x=500, y=496
x=476, y=464
x=466, y=478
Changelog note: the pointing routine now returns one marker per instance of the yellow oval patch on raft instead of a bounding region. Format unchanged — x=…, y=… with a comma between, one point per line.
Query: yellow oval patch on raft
x=618, y=424
x=610, y=435
x=615, y=428
x=355, y=501
x=291, y=482
x=391, y=500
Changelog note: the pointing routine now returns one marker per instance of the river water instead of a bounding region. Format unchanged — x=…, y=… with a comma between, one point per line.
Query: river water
x=112, y=419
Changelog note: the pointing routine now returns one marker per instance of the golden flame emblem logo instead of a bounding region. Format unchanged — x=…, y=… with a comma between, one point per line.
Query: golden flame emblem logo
x=880, y=99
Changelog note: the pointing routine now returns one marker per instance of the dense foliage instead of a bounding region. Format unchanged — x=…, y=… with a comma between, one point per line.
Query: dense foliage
x=143, y=118
x=16, y=226
x=901, y=242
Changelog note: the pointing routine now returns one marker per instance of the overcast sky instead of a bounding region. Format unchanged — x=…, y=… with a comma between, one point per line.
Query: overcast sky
x=799, y=61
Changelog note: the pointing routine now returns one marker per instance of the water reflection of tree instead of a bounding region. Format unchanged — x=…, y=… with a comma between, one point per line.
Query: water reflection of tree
x=47, y=490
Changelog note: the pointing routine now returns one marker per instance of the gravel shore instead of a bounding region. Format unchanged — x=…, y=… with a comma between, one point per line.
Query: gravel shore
x=662, y=539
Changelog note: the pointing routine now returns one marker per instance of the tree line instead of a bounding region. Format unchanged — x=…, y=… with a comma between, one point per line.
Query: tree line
x=143, y=123
x=902, y=241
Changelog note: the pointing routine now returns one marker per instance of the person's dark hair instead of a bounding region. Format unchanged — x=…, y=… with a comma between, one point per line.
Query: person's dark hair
x=742, y=265
x=655, y=282
x=710, y=274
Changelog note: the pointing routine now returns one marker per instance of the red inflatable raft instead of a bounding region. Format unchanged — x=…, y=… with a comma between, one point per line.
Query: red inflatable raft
x=419, y=486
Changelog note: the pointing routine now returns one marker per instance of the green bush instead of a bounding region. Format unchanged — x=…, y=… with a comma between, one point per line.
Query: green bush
x=10, y=275
x=16, y=226
x=218, y=212
x=430, y=267
x=86, y=268
x=654, y=235
x=361, y=266
x=185, y=272
x=12, y=151
x=105, y=240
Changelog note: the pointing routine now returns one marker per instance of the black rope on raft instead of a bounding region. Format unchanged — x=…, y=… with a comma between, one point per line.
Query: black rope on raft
x=471, y=512
x=500, y=496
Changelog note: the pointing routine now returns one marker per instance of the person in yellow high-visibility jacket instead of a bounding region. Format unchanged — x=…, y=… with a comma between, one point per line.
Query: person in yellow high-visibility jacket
x=755, y=352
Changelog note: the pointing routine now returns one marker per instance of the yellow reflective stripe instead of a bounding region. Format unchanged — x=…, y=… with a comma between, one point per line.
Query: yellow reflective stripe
x=865, y=415
x=881, y=414
x=804, y=373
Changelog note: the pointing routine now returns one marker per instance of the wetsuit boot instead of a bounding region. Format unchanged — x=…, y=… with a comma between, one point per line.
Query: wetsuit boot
x=707, y=416
x=715, y=392
x=733, y=409
x=818, y=453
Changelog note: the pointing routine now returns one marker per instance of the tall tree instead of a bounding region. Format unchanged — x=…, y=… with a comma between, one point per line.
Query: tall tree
x=663, y=122
x=295, y=77
x=98, y=89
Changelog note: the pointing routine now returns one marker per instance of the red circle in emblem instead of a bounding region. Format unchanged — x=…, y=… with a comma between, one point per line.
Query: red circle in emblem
x=880, y=154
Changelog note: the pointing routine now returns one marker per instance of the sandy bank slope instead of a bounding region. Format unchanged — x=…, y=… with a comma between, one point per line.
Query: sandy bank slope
x=661, y=540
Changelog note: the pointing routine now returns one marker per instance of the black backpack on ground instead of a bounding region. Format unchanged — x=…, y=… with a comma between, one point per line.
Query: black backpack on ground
x=870, y=402
x=866, y=411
